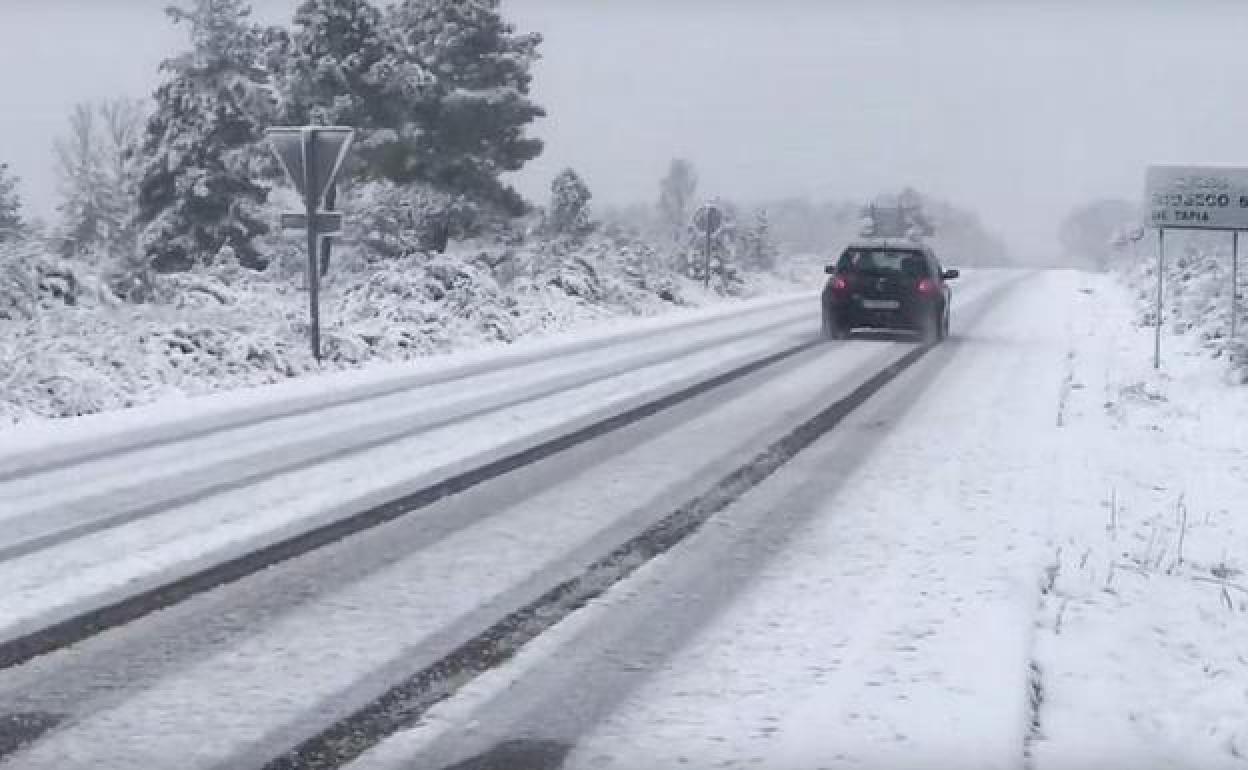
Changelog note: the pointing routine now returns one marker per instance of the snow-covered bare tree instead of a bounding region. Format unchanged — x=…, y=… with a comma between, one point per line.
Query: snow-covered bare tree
x=468, y=124
x=569, y=205
x=676, y=193
x=96, y=167
x=198, y=192
x=80, y=170
x=11, y=224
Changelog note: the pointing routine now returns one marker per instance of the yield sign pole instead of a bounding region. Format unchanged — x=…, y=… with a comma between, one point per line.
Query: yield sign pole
x=311, y=203
x=312, y=157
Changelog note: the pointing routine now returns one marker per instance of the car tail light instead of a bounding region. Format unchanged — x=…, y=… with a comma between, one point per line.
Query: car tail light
x=927, y=286
x=839, y=284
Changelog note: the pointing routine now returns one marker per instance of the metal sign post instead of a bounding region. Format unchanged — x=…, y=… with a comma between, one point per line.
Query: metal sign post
x=310, y=206
x=706, y=273
x=1234, y=284
x=1161, y=263
x=312, y=157
x=1196, y=198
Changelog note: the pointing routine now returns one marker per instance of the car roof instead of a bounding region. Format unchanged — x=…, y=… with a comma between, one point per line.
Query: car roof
x=891, y=244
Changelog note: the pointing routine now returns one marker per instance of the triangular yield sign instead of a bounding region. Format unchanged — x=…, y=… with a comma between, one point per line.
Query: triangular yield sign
x=325, y=146
x=328, y=147
x=288, y=148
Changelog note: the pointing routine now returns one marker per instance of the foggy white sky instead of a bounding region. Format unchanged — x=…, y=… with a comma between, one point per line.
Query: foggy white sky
x=1018, y=110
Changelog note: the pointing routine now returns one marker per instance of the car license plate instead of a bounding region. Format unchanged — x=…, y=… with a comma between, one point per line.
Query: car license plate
x=881, y=304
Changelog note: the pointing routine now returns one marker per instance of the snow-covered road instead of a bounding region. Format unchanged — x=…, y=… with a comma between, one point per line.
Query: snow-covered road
x=868, y=606
x=876, y=598
x=264, y=662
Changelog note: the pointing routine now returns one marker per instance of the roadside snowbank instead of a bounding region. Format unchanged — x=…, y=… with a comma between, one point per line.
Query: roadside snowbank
x=68, y=347
x=1142, y=645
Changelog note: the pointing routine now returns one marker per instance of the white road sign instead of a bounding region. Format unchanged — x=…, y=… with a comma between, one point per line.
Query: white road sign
x=1197, y=197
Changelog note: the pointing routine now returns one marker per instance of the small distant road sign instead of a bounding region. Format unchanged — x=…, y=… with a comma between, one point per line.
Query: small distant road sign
x=708, y=219
x=312, y=158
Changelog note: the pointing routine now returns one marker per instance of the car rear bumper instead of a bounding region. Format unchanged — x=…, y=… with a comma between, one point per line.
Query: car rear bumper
x=910, y=316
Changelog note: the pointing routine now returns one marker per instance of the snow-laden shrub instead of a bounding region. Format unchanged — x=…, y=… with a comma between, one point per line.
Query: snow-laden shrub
x=32, y=279
x=19, y=282
x=389, y=221
x=68, y=346
x=1196, y=296
x=418, y=305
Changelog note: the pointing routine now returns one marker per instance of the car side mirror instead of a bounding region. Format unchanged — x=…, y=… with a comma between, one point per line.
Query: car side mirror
x=949, y=275
x=830, y=269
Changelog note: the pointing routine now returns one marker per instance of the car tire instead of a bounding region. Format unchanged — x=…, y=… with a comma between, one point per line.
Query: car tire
x=931, y=329
x=833, y=330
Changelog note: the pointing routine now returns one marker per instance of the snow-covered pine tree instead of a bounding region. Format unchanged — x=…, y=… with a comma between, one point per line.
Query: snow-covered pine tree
x=569, y=205
x=342, y=66
x=198, y=192
x=676, y=192
x=725, y=252
x=337, y=67
x=11, y=224
x=469, y=126
x=757, y=246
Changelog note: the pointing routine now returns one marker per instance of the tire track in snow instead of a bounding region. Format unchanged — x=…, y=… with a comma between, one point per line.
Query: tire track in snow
x=201, y=483
x=70, y=631
x=393, y=710
x=403, y=704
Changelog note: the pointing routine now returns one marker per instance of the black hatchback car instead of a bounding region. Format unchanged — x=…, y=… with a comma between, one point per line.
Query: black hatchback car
x=888, y=285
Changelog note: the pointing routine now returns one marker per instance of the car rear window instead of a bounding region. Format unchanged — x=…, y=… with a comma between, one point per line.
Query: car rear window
x=912, y=263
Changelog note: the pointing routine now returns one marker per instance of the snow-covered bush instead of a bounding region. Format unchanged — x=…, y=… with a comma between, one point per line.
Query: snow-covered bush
x=415, y=306
x=1196, y=293
x=569, y=205
x=388, y=221
x=11, y=224
x=69, y=345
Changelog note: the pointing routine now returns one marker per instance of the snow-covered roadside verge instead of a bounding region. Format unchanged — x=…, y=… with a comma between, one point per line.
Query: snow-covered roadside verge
x=226, y=328
x=1142, y=641
x=35, y=442
x=1196, y=295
